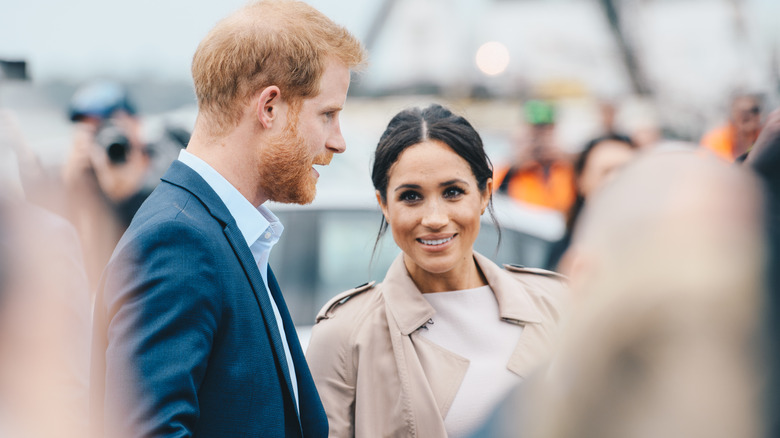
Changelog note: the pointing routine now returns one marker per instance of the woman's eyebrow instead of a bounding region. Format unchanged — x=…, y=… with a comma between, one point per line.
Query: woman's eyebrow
x=452, y=181
x=407, y=186
x=418, y=187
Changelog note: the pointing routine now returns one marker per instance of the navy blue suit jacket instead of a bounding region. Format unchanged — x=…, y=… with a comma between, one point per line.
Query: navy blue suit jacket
x=185, y=342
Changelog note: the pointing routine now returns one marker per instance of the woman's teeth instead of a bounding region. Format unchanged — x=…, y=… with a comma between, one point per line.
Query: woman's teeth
x=436, y=242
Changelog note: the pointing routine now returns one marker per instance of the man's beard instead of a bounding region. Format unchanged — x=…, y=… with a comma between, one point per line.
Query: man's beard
x=285, y=167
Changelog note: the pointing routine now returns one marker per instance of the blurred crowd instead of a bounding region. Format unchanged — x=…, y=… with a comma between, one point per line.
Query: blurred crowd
x=59, y=228
x=672, y=328
x=670, y=251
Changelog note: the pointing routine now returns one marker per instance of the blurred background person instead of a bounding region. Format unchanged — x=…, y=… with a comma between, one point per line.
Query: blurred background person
x=434, y=348
x=665, y=329
x=594, y=166
x=106, y=173
x=109, y=171
x=541, y=173
x=735, y=138
x=44, y=316
x=607, y=112
x=764, y=158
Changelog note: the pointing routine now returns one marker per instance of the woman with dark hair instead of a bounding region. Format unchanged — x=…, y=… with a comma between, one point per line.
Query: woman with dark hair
x=593, y=167
x=431, y=350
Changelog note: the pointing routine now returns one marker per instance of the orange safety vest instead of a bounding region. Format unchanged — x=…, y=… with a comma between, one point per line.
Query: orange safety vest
x=554, y=189
x=721, y=142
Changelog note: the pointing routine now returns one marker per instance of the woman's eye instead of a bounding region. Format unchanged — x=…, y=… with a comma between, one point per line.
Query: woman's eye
x=453, y=192
x=409, y=196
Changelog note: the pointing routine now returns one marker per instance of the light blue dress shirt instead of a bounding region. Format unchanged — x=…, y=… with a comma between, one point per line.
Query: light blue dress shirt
x=260, y=228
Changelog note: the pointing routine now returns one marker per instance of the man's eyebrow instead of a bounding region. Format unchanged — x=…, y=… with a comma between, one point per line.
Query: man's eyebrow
x=332, y=108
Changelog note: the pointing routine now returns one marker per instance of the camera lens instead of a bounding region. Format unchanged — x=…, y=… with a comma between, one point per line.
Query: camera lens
x=114, y=141
x=117, y=152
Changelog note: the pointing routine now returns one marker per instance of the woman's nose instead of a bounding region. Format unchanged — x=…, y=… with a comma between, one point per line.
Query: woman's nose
x=435, y=216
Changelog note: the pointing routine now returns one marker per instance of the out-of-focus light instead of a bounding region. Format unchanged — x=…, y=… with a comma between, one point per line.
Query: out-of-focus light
x=492, y=58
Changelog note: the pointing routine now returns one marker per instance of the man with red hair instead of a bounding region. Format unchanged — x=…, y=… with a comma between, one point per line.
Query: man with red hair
x=192, y=335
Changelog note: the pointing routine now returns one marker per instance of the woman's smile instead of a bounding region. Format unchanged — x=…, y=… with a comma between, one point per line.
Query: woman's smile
x=436, y=243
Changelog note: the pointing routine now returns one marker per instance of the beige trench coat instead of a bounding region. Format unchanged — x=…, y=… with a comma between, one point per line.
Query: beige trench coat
x=378, y=378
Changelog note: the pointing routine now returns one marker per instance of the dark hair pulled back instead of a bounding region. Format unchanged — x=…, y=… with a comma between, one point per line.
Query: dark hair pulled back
x=435, y=122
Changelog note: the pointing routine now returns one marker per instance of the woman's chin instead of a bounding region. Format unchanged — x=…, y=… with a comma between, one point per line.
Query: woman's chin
x=430, y=265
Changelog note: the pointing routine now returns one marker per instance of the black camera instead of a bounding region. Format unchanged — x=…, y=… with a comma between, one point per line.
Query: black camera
x=115, y=142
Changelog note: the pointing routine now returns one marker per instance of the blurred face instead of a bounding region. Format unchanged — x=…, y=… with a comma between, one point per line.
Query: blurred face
x=604, y=160
x=746, y=115
x=433, y=208
x=311, y=137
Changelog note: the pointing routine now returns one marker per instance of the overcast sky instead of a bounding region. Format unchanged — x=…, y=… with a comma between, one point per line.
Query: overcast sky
x=75, y=39
x=689, y=45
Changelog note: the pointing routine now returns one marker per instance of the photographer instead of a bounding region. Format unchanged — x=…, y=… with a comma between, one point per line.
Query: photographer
x=108, y=173
x=105, y=175
x=108, y=153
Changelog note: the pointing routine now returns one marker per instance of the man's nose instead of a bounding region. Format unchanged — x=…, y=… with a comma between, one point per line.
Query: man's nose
x=336, y=142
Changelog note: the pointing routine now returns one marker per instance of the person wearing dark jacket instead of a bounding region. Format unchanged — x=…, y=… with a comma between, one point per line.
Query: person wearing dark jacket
x=192, y=336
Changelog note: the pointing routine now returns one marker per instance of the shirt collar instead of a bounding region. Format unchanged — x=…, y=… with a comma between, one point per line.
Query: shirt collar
x=251, y=221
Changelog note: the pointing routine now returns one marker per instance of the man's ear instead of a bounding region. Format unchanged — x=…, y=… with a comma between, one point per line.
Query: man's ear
x=268, y=102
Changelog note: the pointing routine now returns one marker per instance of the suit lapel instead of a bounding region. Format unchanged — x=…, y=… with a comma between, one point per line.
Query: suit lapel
x=238, y=243
x=314, y=421
x=183, y=176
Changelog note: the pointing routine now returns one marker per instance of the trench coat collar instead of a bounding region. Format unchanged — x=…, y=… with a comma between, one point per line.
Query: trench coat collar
x=411, y=310
x=514, y=301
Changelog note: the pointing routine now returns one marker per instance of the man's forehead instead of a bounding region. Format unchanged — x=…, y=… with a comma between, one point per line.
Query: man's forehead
x=326, y=101
x=334, y=85
x=746, y=101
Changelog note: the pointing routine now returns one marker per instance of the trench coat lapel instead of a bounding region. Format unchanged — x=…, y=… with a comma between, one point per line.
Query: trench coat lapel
x=407, y=311
x=444, y=370
x=404, y=301
x=516, y=307
x=513, y=305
